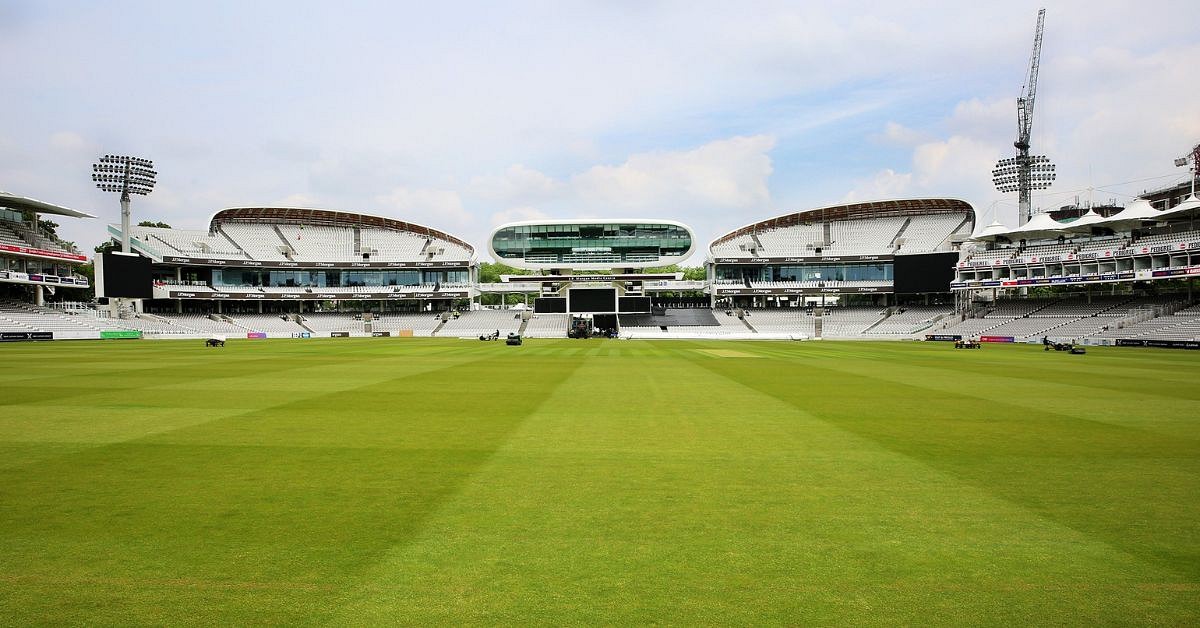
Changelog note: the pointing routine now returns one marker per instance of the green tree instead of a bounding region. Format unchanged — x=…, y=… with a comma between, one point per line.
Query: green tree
x=690, y=273
x=151, y=223
x=489, y=272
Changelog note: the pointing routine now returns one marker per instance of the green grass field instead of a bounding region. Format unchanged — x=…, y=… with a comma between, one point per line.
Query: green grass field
x=597, y=482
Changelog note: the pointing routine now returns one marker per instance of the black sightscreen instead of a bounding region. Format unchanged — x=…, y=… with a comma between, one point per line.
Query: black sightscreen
x=593, y=299
x=916, y=274
x=635, y=304
x=127, y=276
x=550, y=305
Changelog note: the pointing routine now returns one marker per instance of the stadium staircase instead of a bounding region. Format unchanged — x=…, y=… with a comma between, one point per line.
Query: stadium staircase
x=897, y=238
x=741, y=314
x=440, y=325
x=300, y=320
x=234, y=243
x=287, y=250
x=888, y=312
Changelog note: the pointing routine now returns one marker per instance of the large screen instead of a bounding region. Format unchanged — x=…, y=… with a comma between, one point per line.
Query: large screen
x=635, y=304
x=126, y=276
x=550, y=305
x=932, y=272
x=593, y=299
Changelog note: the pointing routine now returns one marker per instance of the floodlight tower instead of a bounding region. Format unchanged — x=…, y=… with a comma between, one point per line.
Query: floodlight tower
x=119, y=173
x=1025, y=173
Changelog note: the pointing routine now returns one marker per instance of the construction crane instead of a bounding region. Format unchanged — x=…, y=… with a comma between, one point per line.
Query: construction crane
x=1193, y=157
x=1025, y=173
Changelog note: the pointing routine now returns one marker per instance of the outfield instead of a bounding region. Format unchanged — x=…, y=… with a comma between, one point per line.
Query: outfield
x=353, y=481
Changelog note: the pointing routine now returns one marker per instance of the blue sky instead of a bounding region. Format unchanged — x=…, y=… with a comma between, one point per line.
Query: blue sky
x=465, y=115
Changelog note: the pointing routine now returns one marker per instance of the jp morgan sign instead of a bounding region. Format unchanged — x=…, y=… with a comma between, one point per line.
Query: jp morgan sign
x=803, y=260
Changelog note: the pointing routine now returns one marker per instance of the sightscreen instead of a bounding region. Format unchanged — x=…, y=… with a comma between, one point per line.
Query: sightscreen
x=635, y=304
x=932, y=272
x=127, y=276
x=593, y=299
x=550, y=305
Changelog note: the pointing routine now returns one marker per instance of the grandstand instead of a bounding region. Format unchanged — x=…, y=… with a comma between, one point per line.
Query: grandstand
x=860, y=271
x=482, y=322
x=815, y=255
x=34, y=261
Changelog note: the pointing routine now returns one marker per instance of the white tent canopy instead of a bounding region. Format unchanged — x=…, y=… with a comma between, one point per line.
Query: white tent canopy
x=995, y=229
x=1136, y=212
x=1085, y=221
x=1189, y=206
x=1040, y=226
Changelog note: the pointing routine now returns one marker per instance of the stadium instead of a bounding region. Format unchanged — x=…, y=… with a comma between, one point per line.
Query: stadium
x=894, y=269
x=662, y=446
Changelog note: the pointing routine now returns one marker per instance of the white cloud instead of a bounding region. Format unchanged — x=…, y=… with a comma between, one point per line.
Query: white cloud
x=430, y=206
x=515, y=214
x=517, y=182
x=729, y=173
x=900, y=135
x=69, y=142
x=299, y=200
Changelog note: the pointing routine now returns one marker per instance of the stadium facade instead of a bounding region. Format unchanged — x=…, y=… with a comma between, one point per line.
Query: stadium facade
x=32, y=255
x=883, y=247
x=901, y=268
x=591, y=244
x=251, y=256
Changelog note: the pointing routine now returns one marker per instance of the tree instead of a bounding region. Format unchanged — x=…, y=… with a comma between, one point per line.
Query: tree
x=690, y=273
x=489, y=272
x=106, y=246
x=150, y=223
x=88, y=270
x=48, y=226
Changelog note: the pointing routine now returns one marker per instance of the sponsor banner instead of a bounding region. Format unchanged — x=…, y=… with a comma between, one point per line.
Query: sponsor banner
x=339, y=334
x=317, y=296
x=1176, y=272
x=1164, y=344
x=803, y=260
x=120, y=335
x=15, y=336
x=238, y=263
x=303, y=334
x=943, y=337
x=381, y=334
x=997, y=339
x=1046, y=281
x=744, y=291
x=255, y=335
x=42, y=253
x=598, y=278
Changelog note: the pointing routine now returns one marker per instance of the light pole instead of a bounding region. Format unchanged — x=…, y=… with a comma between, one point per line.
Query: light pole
x=119, y=173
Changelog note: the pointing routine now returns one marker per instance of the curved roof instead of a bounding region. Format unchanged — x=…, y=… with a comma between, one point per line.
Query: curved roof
x=584, y=264
x=23, y=203
x=327, y=217
x=855, y=211
x=591, y=221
